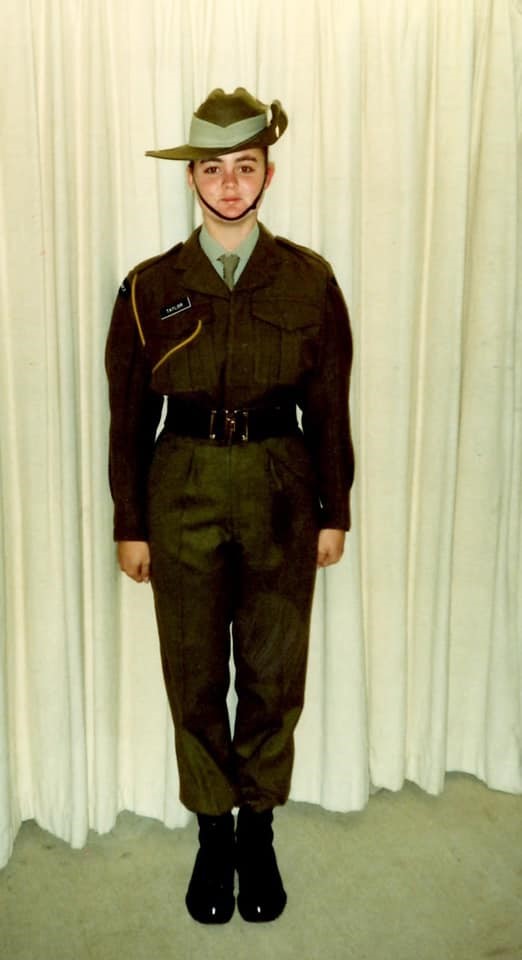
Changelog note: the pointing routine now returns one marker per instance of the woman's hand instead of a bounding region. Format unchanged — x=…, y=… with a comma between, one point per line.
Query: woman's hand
x=134, y=559
x=330, y=547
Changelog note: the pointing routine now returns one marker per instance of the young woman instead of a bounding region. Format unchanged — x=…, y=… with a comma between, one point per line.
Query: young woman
x=232, y=508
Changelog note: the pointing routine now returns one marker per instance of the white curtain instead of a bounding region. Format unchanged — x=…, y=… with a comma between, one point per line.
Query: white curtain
x=401, y=164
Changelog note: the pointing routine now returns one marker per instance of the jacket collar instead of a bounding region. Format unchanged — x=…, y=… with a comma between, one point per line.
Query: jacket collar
x=199, y=274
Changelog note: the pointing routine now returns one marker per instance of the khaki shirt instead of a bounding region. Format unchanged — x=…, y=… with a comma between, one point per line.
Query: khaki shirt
x=282, y=333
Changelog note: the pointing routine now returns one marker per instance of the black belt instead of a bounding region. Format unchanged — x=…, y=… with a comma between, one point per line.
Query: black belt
x=231, y=426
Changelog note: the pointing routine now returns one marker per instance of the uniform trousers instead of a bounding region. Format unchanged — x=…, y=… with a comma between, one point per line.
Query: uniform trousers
x=233, y=538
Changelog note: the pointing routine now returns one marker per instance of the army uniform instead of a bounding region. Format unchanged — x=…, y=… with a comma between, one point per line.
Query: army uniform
x=232, y=522
x=228, y=502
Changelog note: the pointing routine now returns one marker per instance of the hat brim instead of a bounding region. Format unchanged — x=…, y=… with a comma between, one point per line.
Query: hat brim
x=268, y=136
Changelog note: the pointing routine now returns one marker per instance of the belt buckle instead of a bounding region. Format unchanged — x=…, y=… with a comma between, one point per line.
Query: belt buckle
x=212, y=425
x=226, y=425
x=240, y=425
x=244, y=429
x=229, y=425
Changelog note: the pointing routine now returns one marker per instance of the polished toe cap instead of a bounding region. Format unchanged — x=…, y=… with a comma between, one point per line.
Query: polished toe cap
x=261, y=906
x=212, y=906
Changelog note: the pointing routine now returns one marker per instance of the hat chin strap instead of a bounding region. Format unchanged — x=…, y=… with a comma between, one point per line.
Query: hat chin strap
x=222, y=215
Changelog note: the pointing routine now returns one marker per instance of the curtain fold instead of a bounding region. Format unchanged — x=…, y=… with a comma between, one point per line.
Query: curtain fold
x=401, y=165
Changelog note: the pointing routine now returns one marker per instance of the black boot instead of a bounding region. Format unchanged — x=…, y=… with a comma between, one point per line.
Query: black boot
x=261, y=895
x=210, y=894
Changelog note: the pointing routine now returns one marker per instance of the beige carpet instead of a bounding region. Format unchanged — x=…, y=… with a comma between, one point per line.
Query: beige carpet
x=412, y=877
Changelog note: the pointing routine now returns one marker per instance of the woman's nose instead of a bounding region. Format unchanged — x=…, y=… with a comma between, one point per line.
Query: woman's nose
x=229, y=177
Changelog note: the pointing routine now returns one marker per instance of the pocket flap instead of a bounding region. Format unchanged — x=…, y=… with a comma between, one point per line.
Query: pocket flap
x=292, y=315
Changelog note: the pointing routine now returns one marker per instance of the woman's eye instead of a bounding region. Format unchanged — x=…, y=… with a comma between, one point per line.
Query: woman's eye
x=211, y=170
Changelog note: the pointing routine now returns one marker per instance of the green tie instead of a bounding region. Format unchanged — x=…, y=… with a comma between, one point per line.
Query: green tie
x=230, y=262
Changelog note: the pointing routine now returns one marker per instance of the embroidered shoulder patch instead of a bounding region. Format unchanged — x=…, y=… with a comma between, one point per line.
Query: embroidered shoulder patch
x=184, y=303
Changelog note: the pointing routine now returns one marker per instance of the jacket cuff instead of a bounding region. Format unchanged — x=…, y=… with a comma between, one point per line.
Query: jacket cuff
x=335, y=520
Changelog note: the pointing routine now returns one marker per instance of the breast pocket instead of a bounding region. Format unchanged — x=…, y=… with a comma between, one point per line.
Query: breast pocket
x=181, y=352
x=286, y=341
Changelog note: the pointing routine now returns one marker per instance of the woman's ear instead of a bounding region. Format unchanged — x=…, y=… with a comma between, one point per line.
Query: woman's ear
x=270, y=170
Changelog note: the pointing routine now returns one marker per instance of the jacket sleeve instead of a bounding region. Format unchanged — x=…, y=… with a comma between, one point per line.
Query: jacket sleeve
x=135, y=413
x=326, y=421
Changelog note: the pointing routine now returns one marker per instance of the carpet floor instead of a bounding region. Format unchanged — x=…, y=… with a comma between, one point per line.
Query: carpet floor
x=412, y=877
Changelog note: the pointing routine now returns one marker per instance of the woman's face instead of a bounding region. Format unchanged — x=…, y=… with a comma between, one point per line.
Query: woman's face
x=230, y=183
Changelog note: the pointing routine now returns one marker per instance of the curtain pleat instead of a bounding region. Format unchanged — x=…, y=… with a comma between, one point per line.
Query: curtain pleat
x=401, y=165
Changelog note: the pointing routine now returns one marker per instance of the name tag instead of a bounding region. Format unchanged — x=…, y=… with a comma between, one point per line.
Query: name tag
x=174, y=308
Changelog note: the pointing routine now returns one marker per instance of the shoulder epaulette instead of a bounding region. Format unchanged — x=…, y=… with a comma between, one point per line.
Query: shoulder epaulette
x=304, y=251
x=152, y=261
x=125, y=288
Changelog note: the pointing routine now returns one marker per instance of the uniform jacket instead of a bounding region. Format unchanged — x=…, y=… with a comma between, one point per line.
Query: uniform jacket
x=282, y=333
